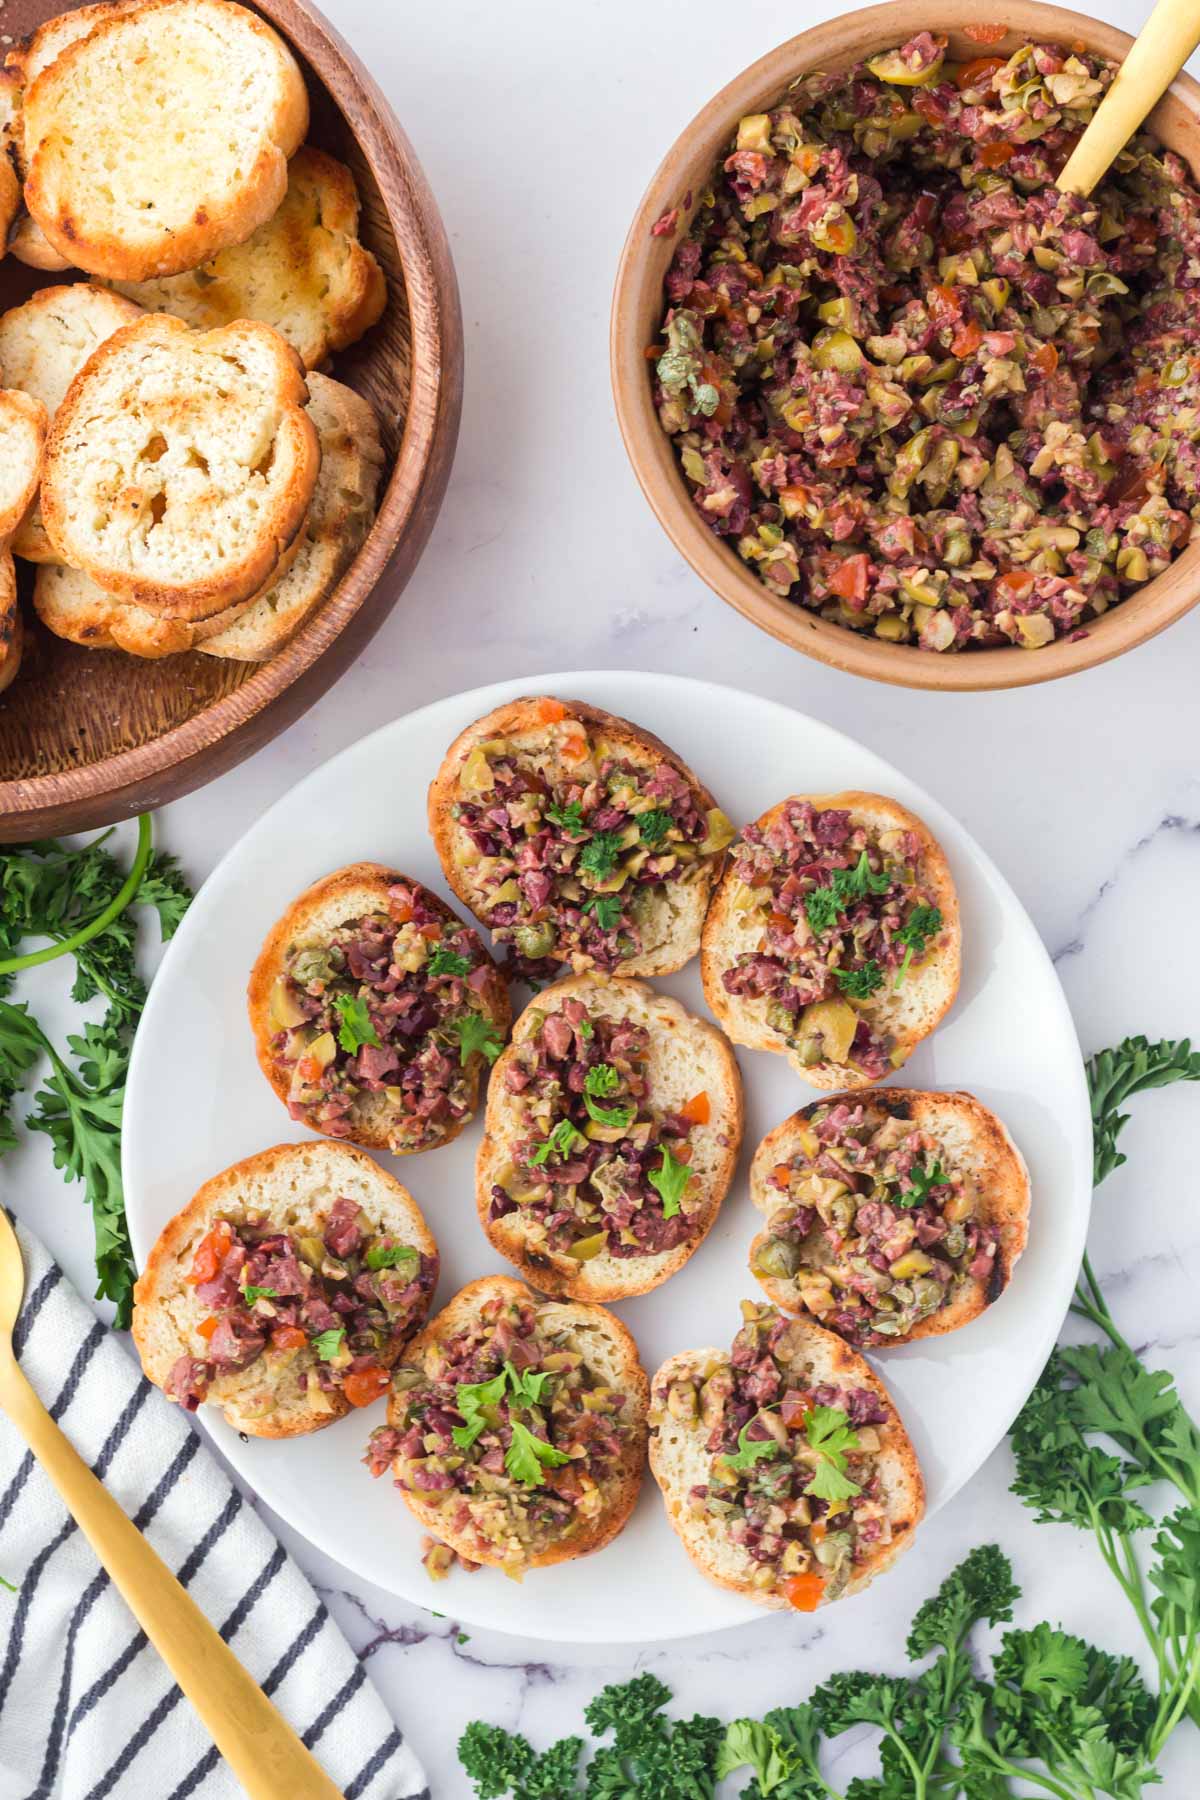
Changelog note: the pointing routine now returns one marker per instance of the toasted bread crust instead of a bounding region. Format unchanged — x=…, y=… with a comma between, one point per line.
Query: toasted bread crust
x=936, y=977
x=606, y=1277
x=520, y=717
x=159, y=1342
x=303, y=271
x=317, y=905
x=840, y=1366
x=12, y=634
x=130, y=56
x=77, y=484
x=997, y=1169
x=625, y=1483
x=23, y=427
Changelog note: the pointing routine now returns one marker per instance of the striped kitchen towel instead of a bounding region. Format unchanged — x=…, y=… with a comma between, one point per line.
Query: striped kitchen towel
x=87, y=1709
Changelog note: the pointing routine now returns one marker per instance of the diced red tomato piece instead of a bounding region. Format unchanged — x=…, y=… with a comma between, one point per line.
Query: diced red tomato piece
x=849, y=581
x=944, y=305
x=1013, y=586
x=207, y=1327
x=362, y=1386
x=994, y=156
x=804, y=1591
x=967, y=338
x=698, y=1110
x=549, y=712
x=794, y=1408
x=401, y=911
x=1045, y=360
x=979, y=71
x=288, y=1337
x=211, y=1252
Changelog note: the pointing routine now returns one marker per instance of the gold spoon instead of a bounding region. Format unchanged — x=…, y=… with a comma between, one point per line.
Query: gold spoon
x=258, y=1744
x=1164, y=44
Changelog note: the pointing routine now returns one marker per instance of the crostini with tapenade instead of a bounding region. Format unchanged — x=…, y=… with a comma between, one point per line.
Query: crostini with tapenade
x=516, y=1428
x=783, y=1463
x=577, y=838
x=613, y=1124
x=286, y=1289
x=833, y=937
x=376, y=1010
x=890, y=1216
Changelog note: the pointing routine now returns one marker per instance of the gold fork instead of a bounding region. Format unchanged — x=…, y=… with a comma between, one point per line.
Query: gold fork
x=256, y=1741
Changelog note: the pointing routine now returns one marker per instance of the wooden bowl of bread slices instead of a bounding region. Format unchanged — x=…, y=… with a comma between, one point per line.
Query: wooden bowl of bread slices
x=230, y=383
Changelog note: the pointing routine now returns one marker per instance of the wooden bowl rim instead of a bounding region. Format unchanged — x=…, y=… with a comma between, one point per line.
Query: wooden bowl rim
x=639, y=281
x=420, y=472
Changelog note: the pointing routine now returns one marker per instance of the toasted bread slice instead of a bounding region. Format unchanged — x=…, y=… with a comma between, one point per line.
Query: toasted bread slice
x=127, y=200
x=339, y=519
x=901, y=1016
x=43, y=346
x=682, y=1416
x=304, y=271
x=10, y=137
x=27, y=59
x=71, y=605
x=294, y=1187
x=878, y=1137
x=560, y=746
x=181, y=464
x=23, y=426
x=378, y=1115
x=478, y=1522
x=12, y=634
x=687, y=1061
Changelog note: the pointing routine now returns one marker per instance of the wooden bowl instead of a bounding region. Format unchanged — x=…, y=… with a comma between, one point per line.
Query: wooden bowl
x=637, y=313
x=91, y=736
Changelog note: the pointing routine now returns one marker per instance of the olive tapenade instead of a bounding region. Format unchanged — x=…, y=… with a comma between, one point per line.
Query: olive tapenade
x=839, y=909
x=378, y=1026
x=597, y=1165
x=809, y=1477
x=888, y=1216
x=920, y=390
x=508, y=1434
x=578, y=839
x=328, y=1310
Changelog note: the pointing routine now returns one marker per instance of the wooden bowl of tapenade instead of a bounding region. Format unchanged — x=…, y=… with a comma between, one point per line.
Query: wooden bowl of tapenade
x=893, y=396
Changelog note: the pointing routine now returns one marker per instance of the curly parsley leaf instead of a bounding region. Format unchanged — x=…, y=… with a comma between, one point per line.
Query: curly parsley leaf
x=922, y=1179
x=562, y=1142
x=503, y=1763
x=654, y=826
x=823, y=909
x=477, y=1036
x=356, y=1028
x=605, y=909
x=830, y=1433
x=861, y=983
x=980, y=1588
x=528, y=1455
x=1114, y=1076
x=601, y=1079
x=751, y=1450
x=598, y=858
x=445, y=961
x=670, y=1181
x=568, y=817
x=922, y=922
x=328, y=1344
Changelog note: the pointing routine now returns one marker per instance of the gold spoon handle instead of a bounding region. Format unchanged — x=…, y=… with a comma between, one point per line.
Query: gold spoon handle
x=1164, y=44
x=258, y=1744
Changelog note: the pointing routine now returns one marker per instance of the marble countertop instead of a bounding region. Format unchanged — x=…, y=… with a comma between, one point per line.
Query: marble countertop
x=538, y=125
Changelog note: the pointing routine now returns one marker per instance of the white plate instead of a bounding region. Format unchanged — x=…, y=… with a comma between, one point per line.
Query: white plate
x=197, y=1102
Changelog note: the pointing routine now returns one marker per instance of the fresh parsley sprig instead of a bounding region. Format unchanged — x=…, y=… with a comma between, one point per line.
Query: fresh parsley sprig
x=356, y=1028
x=83, y=901
x=670, y=1181
x=922, y=923
x=476, y=1036
x=600, y=1080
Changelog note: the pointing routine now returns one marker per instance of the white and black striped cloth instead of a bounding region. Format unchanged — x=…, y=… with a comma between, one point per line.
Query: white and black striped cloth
x=87, y=1710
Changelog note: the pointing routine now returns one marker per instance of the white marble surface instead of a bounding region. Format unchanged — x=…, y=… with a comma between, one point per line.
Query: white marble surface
x=538, y=125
